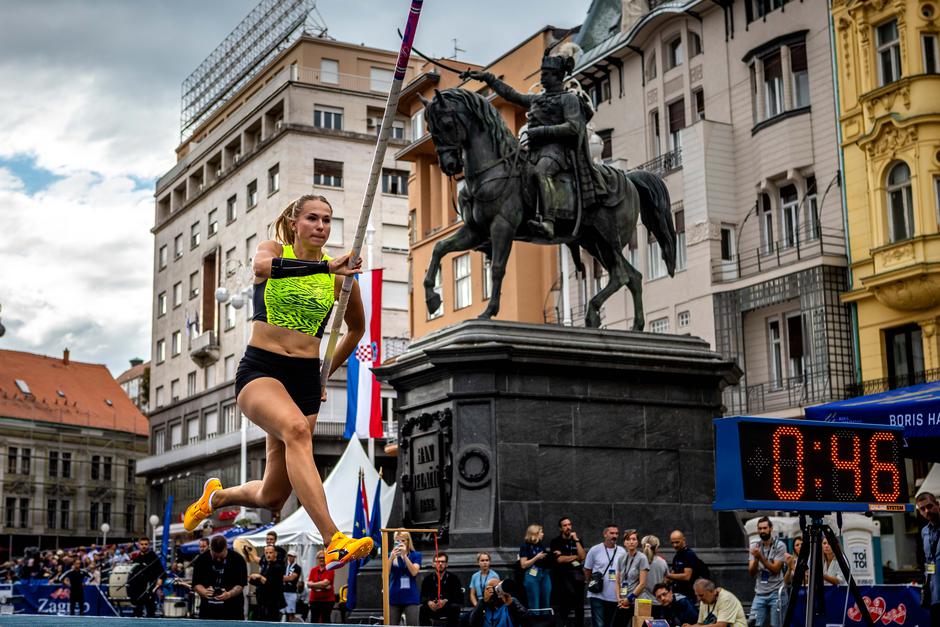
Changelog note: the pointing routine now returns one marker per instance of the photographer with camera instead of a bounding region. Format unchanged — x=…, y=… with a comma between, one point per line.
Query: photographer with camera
x=404, y=594
x=220, y=580
x=498, y=608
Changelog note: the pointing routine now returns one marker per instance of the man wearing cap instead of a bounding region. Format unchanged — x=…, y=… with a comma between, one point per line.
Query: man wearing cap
x=556, y=137
x=291, y=577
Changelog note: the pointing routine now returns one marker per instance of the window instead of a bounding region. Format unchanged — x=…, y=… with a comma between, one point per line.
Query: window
x=329, y=71
x=487, y=277
x=212, y=423
x=12, y=453
x=394, y=237
x=767, y=225
x=601, y=91
x=395, y=182
x=904, y=353
x=336, y=232
x=64, y=514
x=93, y=515
x=463, y=292
x=789, y=216
x=651, y=67
x=776, y=352
x=754, y=106
x=799, y=75
x=328, y=117
x=274, y=178
x=676, y=124
x=395, y=295
x=161, y=400
x=191, y=384
x=695, y=45
x=439, y=290
x=161, y=304
x=178, y=246
x=66, y=465
x=53, y=468
x=931, y=54
x=174, y=390
x=194, y=235
x=684, y=319
x=656, y=144
x=229, y=419
x=229, y=367
x=812, y=209
x=176, y=435
x=795, y=347
x=889, y=52
x=161, y=351
x=51, y=513
x=96, y=467
x=108, y=463
x=656, y=267
x=699, y=95
x=210, y=378
x=680, y=239
x=10, y=511
x=417, y=125
x=177, y=294
x=192, y=430
x=251, y=246
x=252, y=194
x=229, y=316
x=327, y=173
x=159, y=441
x=398, y=129
x=607, y=144
x=131, y=471
x=674, y=53
x=194, y=284
x=231, y=265
x=380, y=79
x=660, y=325
x=900, y=203
x=26, y=457
x=773, y=85
x=24, y=513
x=762, y=7
x=161, y=257
x=231, y=209
x=129, y=516
x=213, y=222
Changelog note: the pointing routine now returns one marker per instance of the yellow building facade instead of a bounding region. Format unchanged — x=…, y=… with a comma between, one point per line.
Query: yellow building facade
x=889, y=113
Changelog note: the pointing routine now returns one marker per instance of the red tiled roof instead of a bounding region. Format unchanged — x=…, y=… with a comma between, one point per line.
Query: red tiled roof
x=86, y=388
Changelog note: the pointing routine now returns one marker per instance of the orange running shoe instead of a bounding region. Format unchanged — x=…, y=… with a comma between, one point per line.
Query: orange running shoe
x=344, y=549
x=201, y=509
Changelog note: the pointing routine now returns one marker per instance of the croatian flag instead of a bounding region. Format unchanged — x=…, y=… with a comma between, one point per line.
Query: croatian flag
x=363, y=399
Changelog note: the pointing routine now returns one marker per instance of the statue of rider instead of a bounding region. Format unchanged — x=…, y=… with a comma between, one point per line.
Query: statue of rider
x=557, y=137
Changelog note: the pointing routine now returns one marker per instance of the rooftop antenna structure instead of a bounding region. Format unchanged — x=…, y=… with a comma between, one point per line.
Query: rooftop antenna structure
x=270, y=28
x=457, y=49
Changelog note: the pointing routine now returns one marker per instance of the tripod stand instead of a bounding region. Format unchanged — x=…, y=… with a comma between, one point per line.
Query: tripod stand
x=813, y=535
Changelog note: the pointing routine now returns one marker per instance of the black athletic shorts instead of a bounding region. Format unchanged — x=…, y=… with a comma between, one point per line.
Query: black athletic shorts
x=300, y=375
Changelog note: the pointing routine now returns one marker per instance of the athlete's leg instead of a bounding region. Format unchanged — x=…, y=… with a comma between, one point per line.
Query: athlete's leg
x=270, y=492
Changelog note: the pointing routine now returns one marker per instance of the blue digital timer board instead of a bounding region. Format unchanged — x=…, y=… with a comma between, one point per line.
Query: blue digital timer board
x=766, y=463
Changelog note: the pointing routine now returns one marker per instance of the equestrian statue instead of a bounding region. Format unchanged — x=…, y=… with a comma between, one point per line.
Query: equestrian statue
x=543, y=187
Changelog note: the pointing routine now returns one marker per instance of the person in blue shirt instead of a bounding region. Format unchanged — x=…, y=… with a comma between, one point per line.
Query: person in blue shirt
x=497, y=607
x=533, y=559
x=479, y=578
x=928, y=507
x=404, y=596
x=676, y=607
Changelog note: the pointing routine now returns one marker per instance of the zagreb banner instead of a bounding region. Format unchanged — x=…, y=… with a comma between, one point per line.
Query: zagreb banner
x=42, y=598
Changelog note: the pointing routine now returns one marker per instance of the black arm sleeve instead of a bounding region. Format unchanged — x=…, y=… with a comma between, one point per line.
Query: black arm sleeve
x=282, y=268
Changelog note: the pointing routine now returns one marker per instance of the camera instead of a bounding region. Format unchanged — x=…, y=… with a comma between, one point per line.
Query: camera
x=506, y=586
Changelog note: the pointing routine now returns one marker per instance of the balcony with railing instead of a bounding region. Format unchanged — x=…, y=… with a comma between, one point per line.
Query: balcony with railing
x=806, y=242
x=664, y=163
x=876, y=386
x=811, y=388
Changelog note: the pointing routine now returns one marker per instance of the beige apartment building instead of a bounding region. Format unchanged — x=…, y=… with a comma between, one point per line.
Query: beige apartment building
x=300, y=120
x=732, y=103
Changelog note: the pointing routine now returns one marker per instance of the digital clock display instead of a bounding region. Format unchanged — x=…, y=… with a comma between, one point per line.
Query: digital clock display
x=794, y=461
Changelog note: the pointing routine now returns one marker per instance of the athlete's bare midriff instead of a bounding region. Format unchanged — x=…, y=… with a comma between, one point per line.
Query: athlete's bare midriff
x=283, y=341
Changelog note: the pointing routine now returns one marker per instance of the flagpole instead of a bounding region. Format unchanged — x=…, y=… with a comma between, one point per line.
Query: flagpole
x=378, y=158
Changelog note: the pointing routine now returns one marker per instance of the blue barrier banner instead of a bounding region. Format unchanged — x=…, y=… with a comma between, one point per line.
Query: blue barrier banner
x=43, y=598
x=888, y=605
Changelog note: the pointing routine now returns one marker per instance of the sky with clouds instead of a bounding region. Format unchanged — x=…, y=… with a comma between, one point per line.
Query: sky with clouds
x=90, y=117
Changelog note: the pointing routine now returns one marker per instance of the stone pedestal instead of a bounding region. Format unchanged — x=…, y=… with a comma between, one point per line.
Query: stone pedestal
x=507, y=424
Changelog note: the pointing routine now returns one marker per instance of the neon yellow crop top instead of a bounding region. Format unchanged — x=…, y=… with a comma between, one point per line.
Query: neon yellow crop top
x=299, y=303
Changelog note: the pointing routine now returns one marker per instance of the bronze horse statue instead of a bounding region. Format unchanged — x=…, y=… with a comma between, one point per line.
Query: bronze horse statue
x=497, y=200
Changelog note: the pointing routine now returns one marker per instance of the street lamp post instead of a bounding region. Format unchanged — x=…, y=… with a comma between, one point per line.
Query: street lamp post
x=105, y=528
x=154, y=521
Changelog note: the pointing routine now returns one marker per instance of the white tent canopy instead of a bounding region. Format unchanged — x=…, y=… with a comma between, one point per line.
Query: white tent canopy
x=299, y=532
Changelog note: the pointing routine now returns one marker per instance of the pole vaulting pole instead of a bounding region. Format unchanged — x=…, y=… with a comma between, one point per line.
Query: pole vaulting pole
x=378, y=158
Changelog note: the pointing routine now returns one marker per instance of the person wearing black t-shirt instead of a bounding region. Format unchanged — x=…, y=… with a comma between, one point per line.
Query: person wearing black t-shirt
x=74, y=578
x=451, y=595
x=684, y=562
x=220, y=581
x=145, y=577
x=292, y=574
x=568, y=574
x=269, y=584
